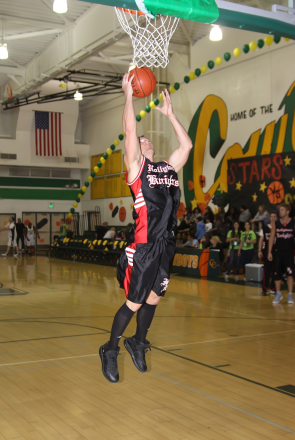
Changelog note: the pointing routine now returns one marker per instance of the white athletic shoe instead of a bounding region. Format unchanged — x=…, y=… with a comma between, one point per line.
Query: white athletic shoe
x=16, y=255
x=277, y=298
x=5, y=255
x=290, y=298
x=237, y=277
x=226, y=277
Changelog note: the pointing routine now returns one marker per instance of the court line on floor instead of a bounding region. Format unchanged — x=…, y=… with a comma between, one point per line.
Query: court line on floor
x=228, y=311
x=171, y=381
x=226, y=339
x=48, y=360
x=51, y=337
x=172, y=353
x=223, y=402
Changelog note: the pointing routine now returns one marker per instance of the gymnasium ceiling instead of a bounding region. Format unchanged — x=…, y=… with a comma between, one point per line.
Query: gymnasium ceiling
x=45, y=47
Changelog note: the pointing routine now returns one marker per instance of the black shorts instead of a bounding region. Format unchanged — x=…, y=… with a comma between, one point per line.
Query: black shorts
x=284, y=264
x=144, y=267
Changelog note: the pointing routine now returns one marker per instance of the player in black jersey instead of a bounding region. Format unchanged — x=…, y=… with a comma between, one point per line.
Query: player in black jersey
x=144, y=268
x=268, y=270
x=283, y=233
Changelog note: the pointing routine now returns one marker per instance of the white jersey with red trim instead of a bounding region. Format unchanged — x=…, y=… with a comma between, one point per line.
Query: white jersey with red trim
x=156, y=196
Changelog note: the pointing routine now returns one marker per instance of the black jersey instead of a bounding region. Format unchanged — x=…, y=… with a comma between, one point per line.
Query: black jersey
x=285, y=236
x=266, y=230
x=156, y=196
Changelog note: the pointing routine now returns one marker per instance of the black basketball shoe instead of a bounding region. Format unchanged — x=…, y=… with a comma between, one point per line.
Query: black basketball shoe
x=137, y=351
x=109, y=363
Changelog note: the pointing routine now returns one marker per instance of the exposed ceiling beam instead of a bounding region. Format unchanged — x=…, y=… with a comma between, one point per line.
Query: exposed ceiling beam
x=107, y=60
x=49, y=5
x=32, y=34
x=185, y=31
x=38, y=23
x=12, y=71
x=14, y=79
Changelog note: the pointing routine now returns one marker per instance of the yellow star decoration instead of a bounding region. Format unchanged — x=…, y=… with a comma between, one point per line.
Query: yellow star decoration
x=222, y=187
x=131, y=206
x=215, y=210
x=292, y=183
x=121, y=202
x=239, y=186
x=194, y=203
x=262, y=187
x=287, y=161
x=254, y=197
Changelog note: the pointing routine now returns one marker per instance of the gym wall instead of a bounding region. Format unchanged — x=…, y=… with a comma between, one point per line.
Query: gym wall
x=17, y=136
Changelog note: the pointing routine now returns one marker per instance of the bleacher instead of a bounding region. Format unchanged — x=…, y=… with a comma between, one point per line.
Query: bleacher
x=83, y=249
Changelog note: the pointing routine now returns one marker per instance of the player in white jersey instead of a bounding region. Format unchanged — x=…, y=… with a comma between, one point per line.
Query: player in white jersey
x=30, y=232
x=11, y=234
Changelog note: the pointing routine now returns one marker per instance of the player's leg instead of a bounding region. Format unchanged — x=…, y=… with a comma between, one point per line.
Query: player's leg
x=138, y=345
x=7, y=251
x=230, y=263
x=290, y=282
x=109, y=351
x=238, y=262
x=266, y=275
x=290, y=276
x=279, y=262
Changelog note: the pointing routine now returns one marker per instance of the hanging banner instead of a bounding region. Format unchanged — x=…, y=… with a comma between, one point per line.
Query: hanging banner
x=261, y=180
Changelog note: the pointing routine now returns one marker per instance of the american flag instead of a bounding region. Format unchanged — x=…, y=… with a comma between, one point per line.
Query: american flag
x=48, y=134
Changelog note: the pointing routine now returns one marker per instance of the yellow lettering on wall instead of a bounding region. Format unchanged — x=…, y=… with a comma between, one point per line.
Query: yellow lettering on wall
x=184, y=260
x=190, y=259
x=195, y=261
x=178, y=261
x=282, y=133
x=268, y=137
x=211, y=103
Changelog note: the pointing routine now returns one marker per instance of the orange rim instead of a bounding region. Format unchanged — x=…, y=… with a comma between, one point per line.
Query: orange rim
x=130, y=11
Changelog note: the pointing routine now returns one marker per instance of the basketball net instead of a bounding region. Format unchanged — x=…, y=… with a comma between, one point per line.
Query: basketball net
x=150, y=37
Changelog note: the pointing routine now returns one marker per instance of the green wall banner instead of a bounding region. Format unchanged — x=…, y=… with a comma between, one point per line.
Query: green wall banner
x=34, y=182
x=197, y=262
x=37, y=194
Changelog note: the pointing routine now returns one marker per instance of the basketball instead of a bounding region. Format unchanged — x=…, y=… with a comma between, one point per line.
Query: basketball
x=32, y=251
x=122, y=214
x=144, y=81
x=275, y=192
x=203, y=263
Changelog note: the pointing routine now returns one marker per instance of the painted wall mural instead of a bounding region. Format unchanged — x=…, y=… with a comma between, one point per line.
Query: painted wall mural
x=209, y=130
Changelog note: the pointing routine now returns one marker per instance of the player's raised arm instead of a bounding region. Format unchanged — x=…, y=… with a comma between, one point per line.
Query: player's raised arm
x=180, y=156
x=132, y=147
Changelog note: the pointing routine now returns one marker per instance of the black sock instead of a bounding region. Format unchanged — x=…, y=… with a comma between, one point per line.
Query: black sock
x=144, y=319
x=121, y=320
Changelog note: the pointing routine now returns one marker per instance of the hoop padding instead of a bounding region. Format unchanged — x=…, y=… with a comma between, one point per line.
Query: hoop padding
x=150, y=37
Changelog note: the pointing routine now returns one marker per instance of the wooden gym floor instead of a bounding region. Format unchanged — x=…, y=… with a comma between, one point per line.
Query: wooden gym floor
x=222, y=366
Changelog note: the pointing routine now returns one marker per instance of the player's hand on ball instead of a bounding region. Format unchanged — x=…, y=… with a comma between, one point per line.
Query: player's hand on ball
x=126, y=84
x=167, y=106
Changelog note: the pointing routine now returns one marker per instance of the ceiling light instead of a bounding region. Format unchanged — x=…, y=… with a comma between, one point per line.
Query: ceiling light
x=215, y=34
x=78, y=96
x=60, y=6
x=3, y=51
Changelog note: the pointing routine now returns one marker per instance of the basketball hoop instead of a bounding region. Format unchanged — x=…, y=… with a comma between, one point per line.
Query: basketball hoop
x=150, y=37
